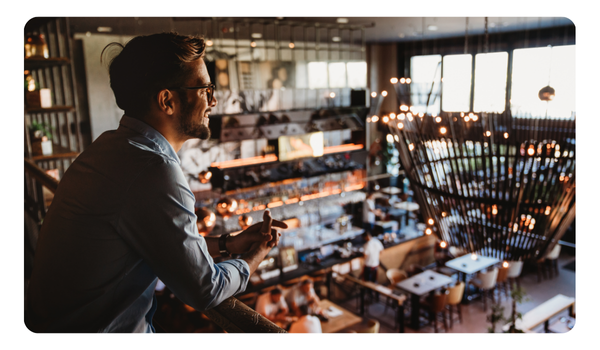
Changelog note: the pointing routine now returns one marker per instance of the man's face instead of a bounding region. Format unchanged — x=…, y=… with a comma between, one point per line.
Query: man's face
x=195, y=109
x=276, y=297
x=306, y=288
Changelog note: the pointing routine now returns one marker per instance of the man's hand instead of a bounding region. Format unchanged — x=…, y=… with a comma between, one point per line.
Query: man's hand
x=257, y=233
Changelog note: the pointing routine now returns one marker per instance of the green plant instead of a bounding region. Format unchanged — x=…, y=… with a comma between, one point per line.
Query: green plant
x=38, y=130
x=496, y=316
x=518, y=295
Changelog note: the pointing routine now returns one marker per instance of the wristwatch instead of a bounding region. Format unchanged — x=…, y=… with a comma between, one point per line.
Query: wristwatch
x=222, y=246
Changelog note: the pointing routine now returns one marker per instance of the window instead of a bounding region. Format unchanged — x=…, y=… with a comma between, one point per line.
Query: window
x=490, y=82
x=425, y=73
x=357, y=74
x=456, y=83
x=337, y=74
x=317, y=75
x=536, y=68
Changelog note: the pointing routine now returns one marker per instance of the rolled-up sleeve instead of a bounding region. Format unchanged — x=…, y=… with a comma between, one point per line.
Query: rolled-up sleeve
x=157, y=219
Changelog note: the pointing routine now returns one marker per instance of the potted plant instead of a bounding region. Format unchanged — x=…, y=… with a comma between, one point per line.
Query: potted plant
x=41, y=138
x=496, y=316
x=518, y=295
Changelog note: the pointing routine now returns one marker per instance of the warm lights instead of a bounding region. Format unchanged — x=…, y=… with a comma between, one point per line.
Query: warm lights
x=430, y=221
x=505, y=135
x=443, y=244
x=400, y=125
x=384, y=93
x=428, y=231
x=209, y=42
x=389, y=138
x=291, y=45
x=438, y=119
x=373, y=94
x=394, y=80
x=442, y=130
x=385, y=119
x=332, y=95
x=488, y=133
x=404, y=108
x=411, y=147
x=473, y=256
x=547, y=212
x=402, y=80
x=401, y=116
x=374, y=119
x=505, y=264
x=368, y=119
x=494, y=209
x=531, y=151
x=253, y=44
x=392, y=116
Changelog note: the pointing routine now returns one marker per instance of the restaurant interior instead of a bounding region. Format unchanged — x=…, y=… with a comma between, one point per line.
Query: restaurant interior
x=456, y=133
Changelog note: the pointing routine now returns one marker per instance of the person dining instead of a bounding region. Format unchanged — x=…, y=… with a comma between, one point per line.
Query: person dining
x=272, y=305
x=304, y=294
x=306, y=323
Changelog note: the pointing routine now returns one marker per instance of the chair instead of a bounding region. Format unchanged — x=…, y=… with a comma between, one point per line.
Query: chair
x=455, y=295
x=396, y=275
x=434, y=305
x=514, y=271
x=372, y=327
x=486, y=282
x=502, y=281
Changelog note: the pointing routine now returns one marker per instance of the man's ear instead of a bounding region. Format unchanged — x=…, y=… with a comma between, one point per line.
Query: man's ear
x=166, y=101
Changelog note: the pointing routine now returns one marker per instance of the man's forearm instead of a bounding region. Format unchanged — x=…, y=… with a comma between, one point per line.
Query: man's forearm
x=212, y=244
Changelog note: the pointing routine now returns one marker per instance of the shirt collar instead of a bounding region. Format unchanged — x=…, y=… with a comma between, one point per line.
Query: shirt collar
x=151, y=134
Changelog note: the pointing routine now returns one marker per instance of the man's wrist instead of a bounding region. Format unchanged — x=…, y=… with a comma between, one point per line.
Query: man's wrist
x=223, y=246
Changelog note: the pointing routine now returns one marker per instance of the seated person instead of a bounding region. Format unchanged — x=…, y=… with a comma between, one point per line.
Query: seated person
x=304, y=294
x=306, y=323
x=273, y=307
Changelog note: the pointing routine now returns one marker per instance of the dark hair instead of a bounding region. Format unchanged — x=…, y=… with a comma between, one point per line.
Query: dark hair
x=148, y=64
x=306, y=281
x=304, y=309
x=276, y=291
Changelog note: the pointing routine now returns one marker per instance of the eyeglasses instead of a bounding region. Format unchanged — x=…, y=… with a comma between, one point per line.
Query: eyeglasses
x=210, y=90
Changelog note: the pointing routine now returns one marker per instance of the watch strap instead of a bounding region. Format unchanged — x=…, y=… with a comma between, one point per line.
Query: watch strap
x=222, y=245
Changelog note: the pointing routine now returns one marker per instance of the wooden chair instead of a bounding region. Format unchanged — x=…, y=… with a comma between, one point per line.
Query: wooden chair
x=455, y=295
x=434, y=305
x=514, y=271
x=502, y=282
x=486, y=282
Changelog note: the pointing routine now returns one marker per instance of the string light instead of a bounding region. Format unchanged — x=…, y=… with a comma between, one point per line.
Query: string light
x=411, y=147
x=443, y=130
x=505, y=135
x=430, y=221
x=385, y=119
x=394, y=80
x=505, y=264
x=375, y=119
x=253, y=44
x=443, y=244
x=428, y=231
x=209, y=42
x=402, y=80
x=384, y=93
x=401, y=116
x=438, y=119
x=400, y=125
x=392, y=116
x=373, y=94
x=291, y=45
x=488, y=133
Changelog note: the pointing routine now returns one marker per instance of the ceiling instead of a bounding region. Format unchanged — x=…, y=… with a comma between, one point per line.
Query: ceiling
x=377, y=29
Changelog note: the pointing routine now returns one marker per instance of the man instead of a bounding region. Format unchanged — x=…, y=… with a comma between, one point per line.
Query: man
x=372, y=251
x=306, y=323
x=123, y=214
x=304, y=294
x=370, y=212
x=272, y=305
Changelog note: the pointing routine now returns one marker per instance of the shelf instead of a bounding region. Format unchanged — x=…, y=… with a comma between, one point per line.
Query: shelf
x=53, y=109
x=38, y=62
x=58, y=152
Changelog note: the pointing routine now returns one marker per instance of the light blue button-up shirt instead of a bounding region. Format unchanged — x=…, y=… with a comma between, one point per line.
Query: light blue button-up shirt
x=122, y=216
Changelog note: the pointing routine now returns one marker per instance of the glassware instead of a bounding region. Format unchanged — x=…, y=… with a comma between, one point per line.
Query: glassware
x=35, y=46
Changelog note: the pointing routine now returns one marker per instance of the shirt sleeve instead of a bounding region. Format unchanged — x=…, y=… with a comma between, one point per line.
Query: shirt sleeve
x=157, y=219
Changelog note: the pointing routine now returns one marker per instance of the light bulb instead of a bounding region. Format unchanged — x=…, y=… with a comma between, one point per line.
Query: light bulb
x=473, y=256
x=209, y=42
x=505, y=135
x=443, y=244
x=373, y=94
x=375, y=119
x=443, y=130
x=384, y=93
x=394, y=80
x=385, y=119
x=428, y=231
x=332, y=95
x=438, y=119
x=408, y=80
x=402, y=80
x=253, y=44
x=291, y=45
x=392, y=116
x=505, y=264
x=411, y=147
x=430, y=221
x=400, y=125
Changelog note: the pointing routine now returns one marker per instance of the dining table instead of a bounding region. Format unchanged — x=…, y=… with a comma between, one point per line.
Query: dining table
x=338, y=317
x=408, y=206
x=418, y=285
x=469, y=264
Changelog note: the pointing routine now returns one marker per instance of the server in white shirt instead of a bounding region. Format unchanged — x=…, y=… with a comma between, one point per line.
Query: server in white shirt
x=372, y=251
x=272, y=305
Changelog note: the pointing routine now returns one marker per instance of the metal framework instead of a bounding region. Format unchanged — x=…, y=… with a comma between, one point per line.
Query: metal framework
x=493, y=184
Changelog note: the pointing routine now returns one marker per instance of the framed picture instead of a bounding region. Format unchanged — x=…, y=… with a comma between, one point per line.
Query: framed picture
x=289, y=259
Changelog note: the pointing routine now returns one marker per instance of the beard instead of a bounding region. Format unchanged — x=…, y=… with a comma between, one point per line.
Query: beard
x=190, y=127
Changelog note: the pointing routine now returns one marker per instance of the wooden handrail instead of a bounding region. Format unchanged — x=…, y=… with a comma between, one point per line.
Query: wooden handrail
x=40, y=175
x=236, y=317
